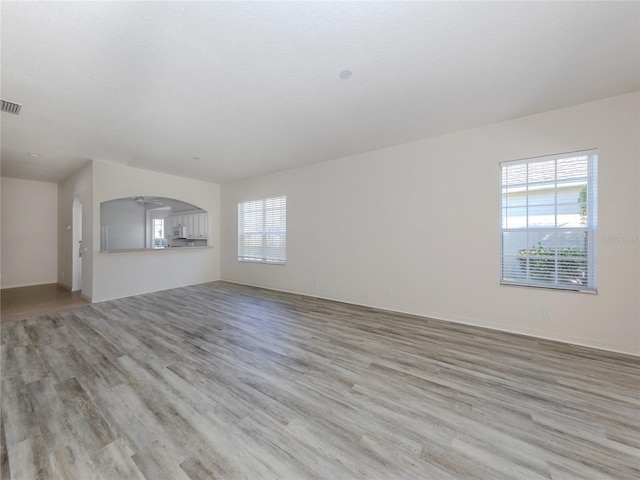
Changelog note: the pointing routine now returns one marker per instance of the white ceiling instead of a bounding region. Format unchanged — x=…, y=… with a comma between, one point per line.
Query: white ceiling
x=254, y=87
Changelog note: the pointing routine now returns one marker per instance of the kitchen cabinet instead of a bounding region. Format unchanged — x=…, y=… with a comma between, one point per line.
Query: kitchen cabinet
x=196, y=224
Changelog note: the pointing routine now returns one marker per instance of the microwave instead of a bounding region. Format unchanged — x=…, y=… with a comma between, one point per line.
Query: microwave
x=180, y=231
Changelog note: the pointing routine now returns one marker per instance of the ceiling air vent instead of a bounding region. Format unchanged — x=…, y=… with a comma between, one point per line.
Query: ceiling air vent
x=10, y=107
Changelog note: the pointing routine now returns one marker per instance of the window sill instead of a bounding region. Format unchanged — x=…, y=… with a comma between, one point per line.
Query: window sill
x=552, y=288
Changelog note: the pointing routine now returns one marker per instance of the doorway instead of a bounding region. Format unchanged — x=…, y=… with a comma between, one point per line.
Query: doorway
x=76, y=246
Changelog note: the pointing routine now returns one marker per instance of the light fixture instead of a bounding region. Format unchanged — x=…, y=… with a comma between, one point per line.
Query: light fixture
x=34, y=154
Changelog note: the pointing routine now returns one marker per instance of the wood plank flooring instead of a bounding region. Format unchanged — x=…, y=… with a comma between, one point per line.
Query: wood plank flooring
x=24, y=302
x=226, y=381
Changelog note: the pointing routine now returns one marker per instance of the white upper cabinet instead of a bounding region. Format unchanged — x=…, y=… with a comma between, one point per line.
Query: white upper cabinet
x=196, y=224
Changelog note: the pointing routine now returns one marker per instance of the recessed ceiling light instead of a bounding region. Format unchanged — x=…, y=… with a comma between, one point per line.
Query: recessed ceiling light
x=34, y=155
x=345, y=74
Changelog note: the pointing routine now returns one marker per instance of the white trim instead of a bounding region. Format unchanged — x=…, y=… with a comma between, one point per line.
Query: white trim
x=546, y=158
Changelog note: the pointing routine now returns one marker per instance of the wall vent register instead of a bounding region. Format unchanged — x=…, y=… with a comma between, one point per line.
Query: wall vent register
x=10, y=107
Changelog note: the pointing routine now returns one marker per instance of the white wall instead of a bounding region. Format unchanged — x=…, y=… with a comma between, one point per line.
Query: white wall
x=123, y=274
x=415, y=227
x=79, y=185
x=29, y=232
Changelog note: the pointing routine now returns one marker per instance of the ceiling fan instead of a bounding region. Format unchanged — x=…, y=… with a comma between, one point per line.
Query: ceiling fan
x=144, y=201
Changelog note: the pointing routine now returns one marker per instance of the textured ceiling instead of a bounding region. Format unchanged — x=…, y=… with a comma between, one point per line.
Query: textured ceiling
x=254, y=87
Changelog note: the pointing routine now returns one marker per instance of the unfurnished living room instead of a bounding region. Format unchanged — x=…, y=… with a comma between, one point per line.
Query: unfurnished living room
x=320, y=240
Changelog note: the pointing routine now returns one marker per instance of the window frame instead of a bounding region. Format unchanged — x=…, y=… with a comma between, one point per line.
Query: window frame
x=563, y=258
x=276, y=216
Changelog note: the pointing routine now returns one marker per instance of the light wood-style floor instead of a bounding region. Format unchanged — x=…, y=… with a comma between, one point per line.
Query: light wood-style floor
x=24, y=302
x=226, y=381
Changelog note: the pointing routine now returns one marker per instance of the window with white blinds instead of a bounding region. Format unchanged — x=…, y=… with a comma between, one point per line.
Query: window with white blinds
x=550, y=221
x=262, y=230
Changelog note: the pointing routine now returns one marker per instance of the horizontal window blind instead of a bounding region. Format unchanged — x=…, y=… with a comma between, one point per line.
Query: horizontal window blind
x=549, y=221
x=262, y=230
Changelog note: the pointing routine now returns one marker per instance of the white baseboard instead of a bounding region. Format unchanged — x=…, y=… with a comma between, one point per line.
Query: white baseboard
x=464, y=321
x=54, y=282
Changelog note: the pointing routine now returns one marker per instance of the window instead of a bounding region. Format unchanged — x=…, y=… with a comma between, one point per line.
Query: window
x=550, y=221
x=159, y=239
x=158, y=228
x=262, y=230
